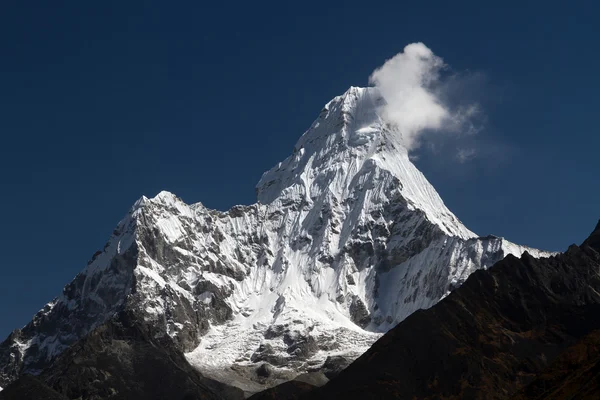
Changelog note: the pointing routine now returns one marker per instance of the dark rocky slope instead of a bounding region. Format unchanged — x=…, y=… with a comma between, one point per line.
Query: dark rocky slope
x=30, y=388
x=291, y=390
x=120, y=360
x=574, y=375
x=489, y=338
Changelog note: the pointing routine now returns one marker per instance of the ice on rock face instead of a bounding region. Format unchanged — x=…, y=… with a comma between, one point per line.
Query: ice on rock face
x=339, y=153
x=347, y=239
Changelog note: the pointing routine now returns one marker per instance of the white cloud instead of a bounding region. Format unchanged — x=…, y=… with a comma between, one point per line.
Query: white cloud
x=418, y=99
x=465, y=155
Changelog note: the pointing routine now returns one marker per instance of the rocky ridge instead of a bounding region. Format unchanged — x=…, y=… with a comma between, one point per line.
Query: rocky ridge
x=525, y=329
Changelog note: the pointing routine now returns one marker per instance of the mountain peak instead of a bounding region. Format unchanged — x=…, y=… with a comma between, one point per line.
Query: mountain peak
x=342, y=118
x=349, y=146
x=332, y=149
x=166, y=196
x=163, y=197
x=347, y=239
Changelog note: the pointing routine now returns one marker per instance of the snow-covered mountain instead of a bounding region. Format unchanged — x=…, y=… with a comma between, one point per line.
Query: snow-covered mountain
x=347, y=239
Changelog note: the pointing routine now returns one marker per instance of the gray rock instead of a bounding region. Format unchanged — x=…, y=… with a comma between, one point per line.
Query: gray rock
x=334, y=365
x=264, y=371
x=359, y=313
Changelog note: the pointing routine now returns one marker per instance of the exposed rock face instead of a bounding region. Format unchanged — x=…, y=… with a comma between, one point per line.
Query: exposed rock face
x=359, y=313
x=505, y=329
x=334, y=365
x=346, y=240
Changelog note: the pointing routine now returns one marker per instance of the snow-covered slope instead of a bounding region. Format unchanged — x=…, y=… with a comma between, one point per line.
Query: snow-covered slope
x=347, y=239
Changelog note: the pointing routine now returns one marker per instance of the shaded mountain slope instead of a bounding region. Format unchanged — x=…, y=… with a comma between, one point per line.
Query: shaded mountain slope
x=574, y=375
x=489, y=338
x=119, y=360
x=30, y=388
x=290, y=390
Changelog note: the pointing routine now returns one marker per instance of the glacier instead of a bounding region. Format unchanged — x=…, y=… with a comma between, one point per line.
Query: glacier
x=347, y=238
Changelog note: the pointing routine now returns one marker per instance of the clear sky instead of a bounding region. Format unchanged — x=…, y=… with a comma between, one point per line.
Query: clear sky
x=102, y=102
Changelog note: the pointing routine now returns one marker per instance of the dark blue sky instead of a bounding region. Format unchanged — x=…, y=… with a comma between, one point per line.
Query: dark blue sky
x=101, y=102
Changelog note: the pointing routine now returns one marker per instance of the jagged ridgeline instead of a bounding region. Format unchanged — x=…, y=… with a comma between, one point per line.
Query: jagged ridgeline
x=347, y=239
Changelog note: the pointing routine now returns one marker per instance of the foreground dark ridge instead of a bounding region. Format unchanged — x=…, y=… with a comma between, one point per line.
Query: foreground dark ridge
x=120, y=360
x=575, y=374
x=491, y=337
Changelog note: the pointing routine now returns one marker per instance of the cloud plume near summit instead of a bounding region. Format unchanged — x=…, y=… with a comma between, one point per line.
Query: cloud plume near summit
x=417, y=98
